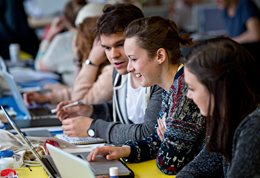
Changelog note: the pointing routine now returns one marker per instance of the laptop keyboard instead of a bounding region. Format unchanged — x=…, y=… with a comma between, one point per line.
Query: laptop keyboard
x=80, y=140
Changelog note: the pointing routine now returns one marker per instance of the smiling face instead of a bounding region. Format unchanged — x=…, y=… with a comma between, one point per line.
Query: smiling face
x=198, y=92
x=144, y=68
x=113, y=45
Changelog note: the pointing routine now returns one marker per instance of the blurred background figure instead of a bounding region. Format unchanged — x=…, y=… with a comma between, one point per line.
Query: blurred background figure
x=14, y=28
x=56, y=50
x=89, y=85
x=242, y=19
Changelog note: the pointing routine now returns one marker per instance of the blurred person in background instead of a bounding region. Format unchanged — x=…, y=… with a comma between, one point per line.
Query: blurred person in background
x=56, y=50
x=89, y=85
x=242, y=20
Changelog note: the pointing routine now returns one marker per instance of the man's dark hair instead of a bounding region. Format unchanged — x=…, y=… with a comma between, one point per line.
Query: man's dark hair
x=116, y=17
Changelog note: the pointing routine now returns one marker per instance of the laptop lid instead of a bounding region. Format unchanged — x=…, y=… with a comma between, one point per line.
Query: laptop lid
x=27, y=143
x=11, y=87
x=78, y=162
x=74, y=167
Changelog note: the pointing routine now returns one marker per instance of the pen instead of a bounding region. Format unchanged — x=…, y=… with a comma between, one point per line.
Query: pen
x=53, y=111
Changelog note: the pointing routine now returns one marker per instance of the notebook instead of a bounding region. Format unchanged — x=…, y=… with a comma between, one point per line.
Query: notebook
x=99, y=167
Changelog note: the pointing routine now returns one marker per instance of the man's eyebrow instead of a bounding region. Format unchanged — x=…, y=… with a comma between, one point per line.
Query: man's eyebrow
x=120, y=41
x=115, y=44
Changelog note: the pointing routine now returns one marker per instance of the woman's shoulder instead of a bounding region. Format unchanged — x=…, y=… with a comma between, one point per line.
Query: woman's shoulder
x=250, y=125
x=253, y=119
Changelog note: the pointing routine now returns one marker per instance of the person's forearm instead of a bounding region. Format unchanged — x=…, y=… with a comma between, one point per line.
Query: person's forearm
x=140, y=131
x=252, y=34
x=142, y=150
x=247, y=37
x=92, y=90
x=84, y=81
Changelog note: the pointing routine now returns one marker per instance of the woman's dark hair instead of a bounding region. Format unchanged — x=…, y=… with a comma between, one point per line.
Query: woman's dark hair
x=157, y=32
x=231, y=75
x=116, y=17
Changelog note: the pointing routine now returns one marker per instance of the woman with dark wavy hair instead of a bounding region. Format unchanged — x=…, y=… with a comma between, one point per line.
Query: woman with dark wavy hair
x=223, y=81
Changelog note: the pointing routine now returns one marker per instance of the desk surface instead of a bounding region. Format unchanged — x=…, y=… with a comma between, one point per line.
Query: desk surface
x=147, y=169
x=141, y=170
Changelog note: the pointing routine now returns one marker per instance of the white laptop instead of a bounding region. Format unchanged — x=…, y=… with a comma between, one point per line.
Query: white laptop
x=83, y=168
x=74, y=167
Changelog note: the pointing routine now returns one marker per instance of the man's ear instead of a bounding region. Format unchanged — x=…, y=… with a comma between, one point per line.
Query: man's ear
x=161, y=55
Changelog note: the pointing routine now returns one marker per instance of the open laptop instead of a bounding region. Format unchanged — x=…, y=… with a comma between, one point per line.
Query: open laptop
x=99, y=167
x=75, y=166
x=78, y=163
x=44, y=162
x=25, y=117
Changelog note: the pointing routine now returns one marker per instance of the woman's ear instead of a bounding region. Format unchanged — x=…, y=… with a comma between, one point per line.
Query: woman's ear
x=161, y=55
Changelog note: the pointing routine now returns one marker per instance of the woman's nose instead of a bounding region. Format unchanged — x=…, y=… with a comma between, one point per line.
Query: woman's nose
x=130, y=67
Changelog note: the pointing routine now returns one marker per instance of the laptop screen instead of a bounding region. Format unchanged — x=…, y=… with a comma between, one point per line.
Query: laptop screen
x=13, y=96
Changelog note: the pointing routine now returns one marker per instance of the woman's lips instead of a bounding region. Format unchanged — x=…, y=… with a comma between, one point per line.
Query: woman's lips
x=138, y=75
